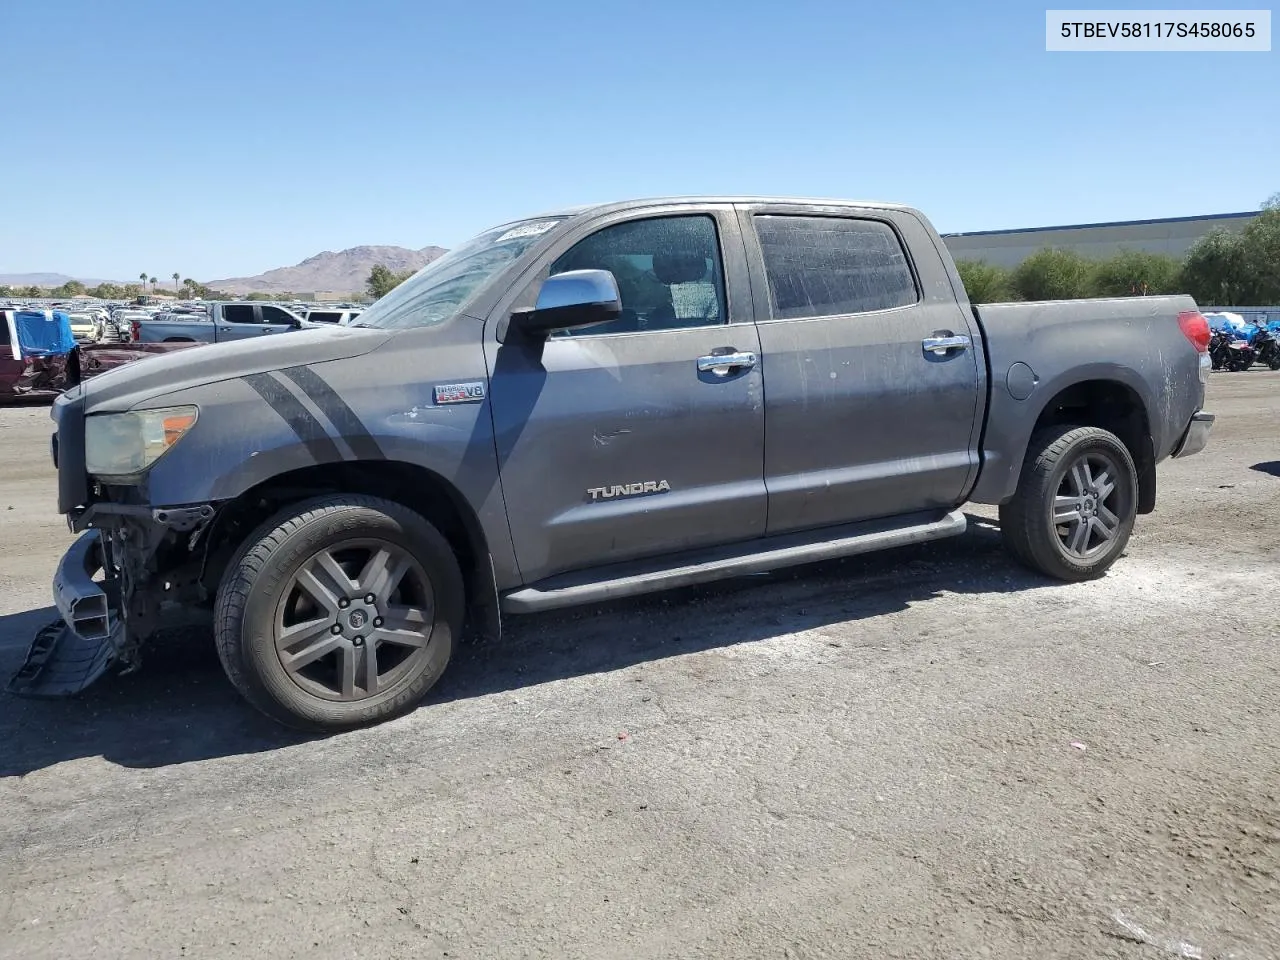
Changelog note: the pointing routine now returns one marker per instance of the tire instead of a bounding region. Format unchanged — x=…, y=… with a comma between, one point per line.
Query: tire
x=352, y=661
x=1044, y=542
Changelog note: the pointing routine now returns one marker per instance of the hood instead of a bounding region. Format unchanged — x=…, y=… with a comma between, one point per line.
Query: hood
x=124, y=387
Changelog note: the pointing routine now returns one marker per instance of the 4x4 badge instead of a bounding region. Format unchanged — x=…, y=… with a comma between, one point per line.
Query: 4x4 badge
x=458, y=392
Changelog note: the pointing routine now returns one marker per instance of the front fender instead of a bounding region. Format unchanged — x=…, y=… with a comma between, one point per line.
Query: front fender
x=370, y=409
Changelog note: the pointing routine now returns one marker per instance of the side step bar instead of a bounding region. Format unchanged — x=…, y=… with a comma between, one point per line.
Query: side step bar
x=633, y=579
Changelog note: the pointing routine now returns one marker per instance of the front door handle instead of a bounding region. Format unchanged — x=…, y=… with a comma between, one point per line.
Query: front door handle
x=943, y=344
x=722, y=364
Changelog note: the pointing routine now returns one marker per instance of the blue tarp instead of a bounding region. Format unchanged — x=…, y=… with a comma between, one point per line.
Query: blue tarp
x=43, y=333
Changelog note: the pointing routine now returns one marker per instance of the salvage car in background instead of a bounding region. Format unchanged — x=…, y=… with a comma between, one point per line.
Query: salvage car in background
x=39, y=356
x=215, y=323
x=86, y=327
x=34, y=350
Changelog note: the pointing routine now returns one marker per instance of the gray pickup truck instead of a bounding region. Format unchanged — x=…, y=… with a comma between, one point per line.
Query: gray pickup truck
x=591, y=405
x=218, y=322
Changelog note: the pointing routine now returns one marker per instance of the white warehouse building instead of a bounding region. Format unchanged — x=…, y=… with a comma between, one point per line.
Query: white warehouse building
x=1173, y=236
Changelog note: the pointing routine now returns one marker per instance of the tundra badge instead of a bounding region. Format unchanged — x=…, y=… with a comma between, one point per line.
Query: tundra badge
x=628, y=490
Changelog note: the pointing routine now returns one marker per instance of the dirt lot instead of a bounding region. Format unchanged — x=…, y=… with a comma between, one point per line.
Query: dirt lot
x=921, y=754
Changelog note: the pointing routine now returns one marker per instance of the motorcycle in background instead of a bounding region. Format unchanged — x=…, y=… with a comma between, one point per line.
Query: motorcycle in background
x=1267, y=348
x=1227, y=351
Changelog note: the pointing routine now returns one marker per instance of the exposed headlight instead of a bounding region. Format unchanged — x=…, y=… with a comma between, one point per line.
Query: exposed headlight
x=121, y=445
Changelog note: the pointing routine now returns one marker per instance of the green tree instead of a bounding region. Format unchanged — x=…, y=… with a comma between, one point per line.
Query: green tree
x=1261, y=252
x=1053, y=274
x=33, y=291
x=176, y=277
x=143, y=277
x=985, y=282
x=382, y=280
x=108, y=291
x=6, y=290
x=1133, y=273
x=71, y=288
x=1215, y=271
x=153, y=284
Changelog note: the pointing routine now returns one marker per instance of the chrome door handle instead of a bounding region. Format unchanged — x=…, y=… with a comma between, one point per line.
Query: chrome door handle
x=943, y=344
x=721, y=364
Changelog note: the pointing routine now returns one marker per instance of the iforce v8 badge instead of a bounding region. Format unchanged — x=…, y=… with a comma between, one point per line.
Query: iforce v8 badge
x=458, y=392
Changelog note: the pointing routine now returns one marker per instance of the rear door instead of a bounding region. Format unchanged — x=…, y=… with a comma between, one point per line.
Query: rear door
x=864, y=416
x=633, y=438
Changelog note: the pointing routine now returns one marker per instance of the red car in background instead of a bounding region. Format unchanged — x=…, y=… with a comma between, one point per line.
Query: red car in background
x=41, y=363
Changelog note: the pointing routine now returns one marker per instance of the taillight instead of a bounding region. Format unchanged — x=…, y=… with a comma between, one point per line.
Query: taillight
x=135, y=331
x=1195, y=328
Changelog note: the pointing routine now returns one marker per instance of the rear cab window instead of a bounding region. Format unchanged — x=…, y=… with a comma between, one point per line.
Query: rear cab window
x=822, y=266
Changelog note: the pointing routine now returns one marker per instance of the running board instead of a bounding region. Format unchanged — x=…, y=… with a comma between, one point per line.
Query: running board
x=755, y=556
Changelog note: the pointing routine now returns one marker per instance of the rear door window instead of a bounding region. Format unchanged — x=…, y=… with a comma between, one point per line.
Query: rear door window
x=829, y=266
x=323, y=316
x=238, y=313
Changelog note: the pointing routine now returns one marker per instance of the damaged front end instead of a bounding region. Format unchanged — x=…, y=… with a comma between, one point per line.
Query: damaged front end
x=113, y=589
x=69, y=654
x=130, y=564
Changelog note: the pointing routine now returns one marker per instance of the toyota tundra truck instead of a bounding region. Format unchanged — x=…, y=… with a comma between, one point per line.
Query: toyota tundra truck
x=590, y=405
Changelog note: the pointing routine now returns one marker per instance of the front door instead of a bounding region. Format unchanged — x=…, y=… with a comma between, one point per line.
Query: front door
x=629, y=439
x=865, y=416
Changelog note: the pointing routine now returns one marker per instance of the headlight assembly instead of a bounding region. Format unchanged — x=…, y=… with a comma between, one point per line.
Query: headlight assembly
x=124, y=445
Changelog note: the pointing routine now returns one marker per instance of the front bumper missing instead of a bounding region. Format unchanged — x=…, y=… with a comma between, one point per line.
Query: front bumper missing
x=1196, y=437
x=68, y=655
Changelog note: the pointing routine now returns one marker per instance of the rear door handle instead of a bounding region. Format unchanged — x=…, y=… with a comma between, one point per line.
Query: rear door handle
x=722, y=364
x=943, y=344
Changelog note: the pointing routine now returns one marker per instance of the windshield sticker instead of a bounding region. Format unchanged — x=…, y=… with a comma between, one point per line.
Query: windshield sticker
x=533, y=229
x=458, y=392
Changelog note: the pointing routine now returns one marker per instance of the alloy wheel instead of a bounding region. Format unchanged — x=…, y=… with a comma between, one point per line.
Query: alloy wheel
x=355, y=619
x=1089, y=506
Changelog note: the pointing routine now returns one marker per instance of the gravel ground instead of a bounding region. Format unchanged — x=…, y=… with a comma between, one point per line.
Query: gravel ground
x=926, y=753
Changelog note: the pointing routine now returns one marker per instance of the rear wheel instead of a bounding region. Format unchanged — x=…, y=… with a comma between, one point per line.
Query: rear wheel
x=339, y=612
x=1076, y=502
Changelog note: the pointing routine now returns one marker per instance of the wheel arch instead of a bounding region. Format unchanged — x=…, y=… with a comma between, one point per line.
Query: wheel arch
x=420, y=489
x=1111, y=398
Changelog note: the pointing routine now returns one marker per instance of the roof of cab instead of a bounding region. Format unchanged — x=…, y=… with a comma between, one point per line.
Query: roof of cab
x=676, y=201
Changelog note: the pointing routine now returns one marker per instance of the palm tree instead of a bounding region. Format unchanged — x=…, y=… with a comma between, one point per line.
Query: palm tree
x=153, y=284
x=176, y=277
x=143, y=277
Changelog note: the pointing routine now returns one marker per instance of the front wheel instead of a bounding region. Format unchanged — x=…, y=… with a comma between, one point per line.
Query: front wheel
x=338, y=612
x=1075, y=504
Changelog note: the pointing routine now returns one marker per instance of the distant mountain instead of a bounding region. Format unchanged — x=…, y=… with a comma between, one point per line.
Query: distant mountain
x=44, y=280
x=341, y=272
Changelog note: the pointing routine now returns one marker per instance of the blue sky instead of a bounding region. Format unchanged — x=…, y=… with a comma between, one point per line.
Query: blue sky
x=222, y=139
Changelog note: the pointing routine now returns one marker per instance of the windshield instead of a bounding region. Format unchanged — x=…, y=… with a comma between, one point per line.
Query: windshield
x=437, y=292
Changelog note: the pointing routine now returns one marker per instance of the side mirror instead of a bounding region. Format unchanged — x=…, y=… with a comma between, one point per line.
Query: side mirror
x=578, y=298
